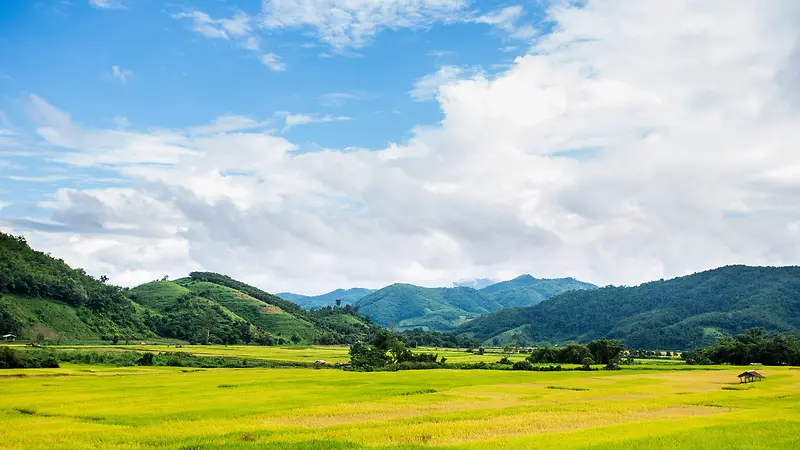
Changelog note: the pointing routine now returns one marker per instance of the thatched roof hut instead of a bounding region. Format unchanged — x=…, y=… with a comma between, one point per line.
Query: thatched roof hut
x=750, y=375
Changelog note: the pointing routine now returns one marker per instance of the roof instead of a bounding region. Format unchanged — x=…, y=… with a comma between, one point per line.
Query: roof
x=9, y=335
x=751, y=373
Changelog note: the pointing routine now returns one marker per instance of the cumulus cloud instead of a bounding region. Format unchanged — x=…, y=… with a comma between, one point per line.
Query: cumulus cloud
x=639, y=140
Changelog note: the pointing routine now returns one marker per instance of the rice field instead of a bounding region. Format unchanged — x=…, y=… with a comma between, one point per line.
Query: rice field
x=78, y=407
x=330, y=354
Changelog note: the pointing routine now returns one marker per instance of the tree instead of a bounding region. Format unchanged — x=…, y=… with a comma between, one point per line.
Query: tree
x=103, y=278
x=296, y=339
x=606, y=351
x=586, y=364
x=338, y=302
x=367, y=357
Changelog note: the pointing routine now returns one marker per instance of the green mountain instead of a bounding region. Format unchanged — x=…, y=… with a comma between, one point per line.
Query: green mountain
x=680, y=313
x=526, y=290
x=43, y=296
x=347, y=297
x=216, y=307
x=443, y=309
x=408, y=306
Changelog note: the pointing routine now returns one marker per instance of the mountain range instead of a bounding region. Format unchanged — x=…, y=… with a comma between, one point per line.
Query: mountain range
x=42, y=297
x=407, y=306
x=346, y=297
x=683, y=312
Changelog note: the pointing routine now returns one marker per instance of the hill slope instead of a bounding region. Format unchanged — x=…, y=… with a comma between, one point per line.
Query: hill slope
x=443, y=309
x=218, y=308
x=41, y=295
x=347, y=297
x=526, y=290
x=410, y=306
x=675, y=314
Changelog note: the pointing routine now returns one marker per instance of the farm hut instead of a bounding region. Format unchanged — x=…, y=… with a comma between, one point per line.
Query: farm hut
x=750, y=375
x=9, y=337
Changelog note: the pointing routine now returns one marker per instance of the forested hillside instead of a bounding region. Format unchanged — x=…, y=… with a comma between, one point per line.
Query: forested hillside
x=43, y=296
x=526, y=290
x=681, y=313
x=443, y=309
x=344, y=297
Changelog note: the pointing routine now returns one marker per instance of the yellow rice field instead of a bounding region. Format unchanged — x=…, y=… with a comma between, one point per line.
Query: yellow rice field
x=133, y=408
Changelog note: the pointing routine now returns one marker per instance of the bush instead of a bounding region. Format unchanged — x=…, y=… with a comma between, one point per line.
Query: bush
x=522, y=365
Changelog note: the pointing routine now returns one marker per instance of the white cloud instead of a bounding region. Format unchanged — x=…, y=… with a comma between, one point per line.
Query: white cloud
x=427, y=87
x=120, y=75
x=640, y=140
x=338, y=99
x=238, y=29
x=345, y=24
x=237, y=26
x=293, y=120
x=273, y=61
x=507, y=19
x=107, y=4
x=4, y=204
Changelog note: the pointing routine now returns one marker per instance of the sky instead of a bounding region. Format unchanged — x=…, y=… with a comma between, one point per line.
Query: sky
x=309, y=145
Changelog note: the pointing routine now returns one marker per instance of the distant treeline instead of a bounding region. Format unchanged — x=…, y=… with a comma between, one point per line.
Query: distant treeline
x=752, y=346
x=49, y=358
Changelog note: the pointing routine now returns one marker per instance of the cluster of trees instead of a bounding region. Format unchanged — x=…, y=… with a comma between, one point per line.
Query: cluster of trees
x=13, y=359
x=386, y=351
x=752, y=346
x=601, y=351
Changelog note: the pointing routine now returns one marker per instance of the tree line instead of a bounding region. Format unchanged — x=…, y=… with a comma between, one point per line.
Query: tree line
x=752, y=346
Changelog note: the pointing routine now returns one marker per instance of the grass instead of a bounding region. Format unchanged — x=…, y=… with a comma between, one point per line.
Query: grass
x=145, y=407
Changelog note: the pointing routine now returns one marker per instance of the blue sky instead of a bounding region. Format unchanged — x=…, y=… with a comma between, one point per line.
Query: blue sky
x=140, y=64
x=308, y=145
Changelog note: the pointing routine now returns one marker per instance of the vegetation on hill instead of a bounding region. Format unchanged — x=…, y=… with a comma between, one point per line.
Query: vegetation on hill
x=526, y=290
x=685, y=312
x=200, y=310
x=751, y=347
x=406, y=306
x=441, y=309
x=339, y=297
x=41, y=295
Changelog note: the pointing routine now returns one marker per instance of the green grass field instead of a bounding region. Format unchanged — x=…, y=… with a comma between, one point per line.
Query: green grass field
x=107, y=407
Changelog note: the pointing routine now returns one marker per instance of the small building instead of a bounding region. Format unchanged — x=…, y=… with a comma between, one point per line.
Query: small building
x=750, y=375
x=9, y=337
x=319, y=361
